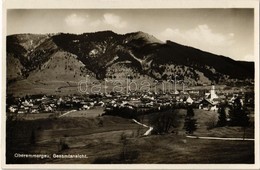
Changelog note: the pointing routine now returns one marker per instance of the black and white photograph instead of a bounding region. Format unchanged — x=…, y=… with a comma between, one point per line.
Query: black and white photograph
x=133, y=86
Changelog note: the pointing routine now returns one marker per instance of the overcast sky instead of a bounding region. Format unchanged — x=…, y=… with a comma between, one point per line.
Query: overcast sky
x=228, y=32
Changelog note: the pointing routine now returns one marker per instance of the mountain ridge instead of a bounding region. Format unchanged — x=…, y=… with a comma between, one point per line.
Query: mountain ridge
x=97, y=52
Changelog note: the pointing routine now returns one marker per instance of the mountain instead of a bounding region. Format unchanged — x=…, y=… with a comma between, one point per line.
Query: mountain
x=62, y=60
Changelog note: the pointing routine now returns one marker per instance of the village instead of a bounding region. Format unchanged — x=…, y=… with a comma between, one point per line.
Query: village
x=200, y=99
x=127, y=123
x=158, y=83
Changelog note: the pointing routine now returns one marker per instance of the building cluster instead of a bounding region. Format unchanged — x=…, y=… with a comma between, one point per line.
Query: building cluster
x=134, y=100
x=49, y=104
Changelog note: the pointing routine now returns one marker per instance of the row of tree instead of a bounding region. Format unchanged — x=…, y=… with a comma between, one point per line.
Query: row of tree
x=169, y=120
x=237, y=115
x=164, y=122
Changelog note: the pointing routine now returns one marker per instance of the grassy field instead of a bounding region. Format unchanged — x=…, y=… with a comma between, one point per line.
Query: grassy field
x=110, y=139
x=94, y=112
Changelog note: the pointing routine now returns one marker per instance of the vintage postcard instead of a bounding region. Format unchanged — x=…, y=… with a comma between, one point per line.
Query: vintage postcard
x=114, y=84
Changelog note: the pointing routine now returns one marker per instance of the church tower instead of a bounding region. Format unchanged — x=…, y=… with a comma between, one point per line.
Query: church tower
x=213, y=94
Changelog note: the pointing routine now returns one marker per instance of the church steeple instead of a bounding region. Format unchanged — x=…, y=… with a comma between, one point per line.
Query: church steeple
x=213, y=94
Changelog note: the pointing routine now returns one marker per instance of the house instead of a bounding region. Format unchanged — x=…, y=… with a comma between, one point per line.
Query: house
x=13, y=108
x=189, y=100
x=236, y=100
x=194, y=92
x=214, y=108
x=101, y=103
x=48, y=109
x=85, y=107
x=27, y=103
x=129, y=106
x=34, y=109
x=21, y=111
x=206, y=104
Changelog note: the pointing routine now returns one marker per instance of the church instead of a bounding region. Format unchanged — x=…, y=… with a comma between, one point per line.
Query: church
x=210, y=100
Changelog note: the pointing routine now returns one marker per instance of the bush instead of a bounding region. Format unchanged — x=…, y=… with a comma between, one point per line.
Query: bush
x=100, y=123
x=222, y=118
x=62, y=145
x=211, y=123
x=122, y=112
x=239, y=117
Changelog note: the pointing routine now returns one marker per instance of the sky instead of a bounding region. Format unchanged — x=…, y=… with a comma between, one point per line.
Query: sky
x=228, y=32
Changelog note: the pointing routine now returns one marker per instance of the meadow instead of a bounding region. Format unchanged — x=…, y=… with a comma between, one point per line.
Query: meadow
x=116, y=140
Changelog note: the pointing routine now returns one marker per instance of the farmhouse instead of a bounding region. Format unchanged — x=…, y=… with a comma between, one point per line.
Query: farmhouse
x=206, y=104
x=34, y=109
x=189, y=100
x=20, y=111
x=13, y=108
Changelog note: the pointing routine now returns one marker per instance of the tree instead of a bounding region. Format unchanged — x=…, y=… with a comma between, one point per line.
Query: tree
x=190, y=124
x=162, y=122
x=245, y=123
x=239, y=116
x=190, y=112
x=62, y=145
x=222, y=118
x=100, y=123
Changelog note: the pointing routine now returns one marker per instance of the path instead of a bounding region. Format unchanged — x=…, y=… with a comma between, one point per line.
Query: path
x=218, y=138
x=67, y=113
x=148, y=131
